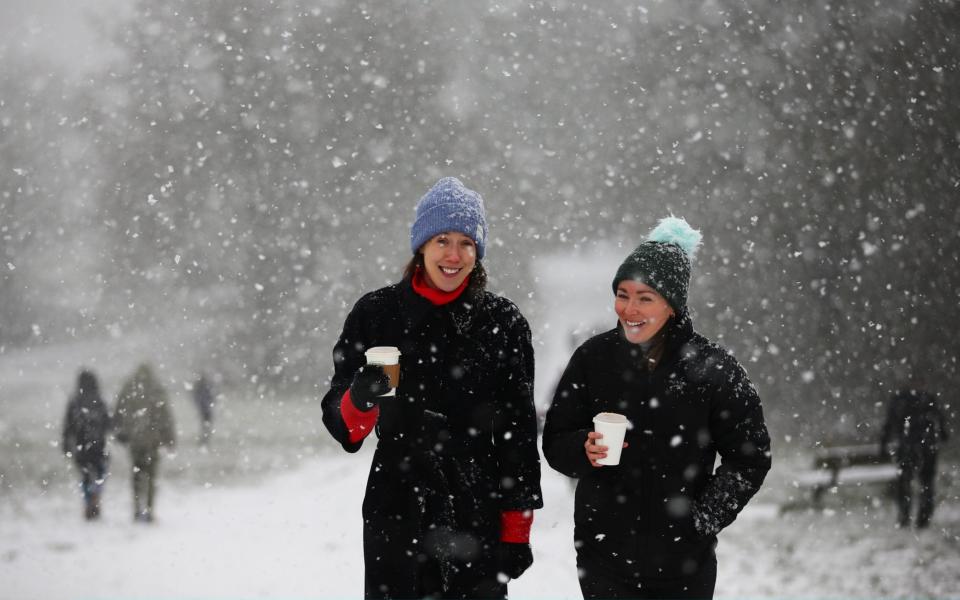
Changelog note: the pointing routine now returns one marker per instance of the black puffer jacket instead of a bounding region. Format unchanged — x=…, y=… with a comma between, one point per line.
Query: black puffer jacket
x=657, y=513
x=457, y=445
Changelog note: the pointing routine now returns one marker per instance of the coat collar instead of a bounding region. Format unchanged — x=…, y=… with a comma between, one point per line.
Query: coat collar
x=415, y=309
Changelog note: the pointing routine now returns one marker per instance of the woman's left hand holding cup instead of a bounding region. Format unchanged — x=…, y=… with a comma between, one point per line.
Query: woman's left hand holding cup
x=594, y=450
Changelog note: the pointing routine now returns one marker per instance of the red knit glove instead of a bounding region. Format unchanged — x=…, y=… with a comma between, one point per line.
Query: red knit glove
x=359, y=423
x=514, y=555
x=515, y=526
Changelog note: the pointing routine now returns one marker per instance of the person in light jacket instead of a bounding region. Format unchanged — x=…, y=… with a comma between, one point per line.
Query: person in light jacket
x=144, y=422
x=647, y=528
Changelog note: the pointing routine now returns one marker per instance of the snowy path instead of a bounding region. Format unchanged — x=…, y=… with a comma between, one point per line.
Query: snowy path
x=286, y=538
x=298, y=536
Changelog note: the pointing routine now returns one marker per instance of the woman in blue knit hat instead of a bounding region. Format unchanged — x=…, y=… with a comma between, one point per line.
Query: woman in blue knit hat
x=647, y=527
x=456, y=473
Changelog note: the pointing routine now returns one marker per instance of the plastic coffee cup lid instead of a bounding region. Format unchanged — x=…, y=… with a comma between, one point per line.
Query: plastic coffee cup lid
x=385, y=351
x=608, y=417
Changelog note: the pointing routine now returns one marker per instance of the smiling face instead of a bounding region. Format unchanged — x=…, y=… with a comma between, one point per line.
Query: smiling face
x=642, y=311
x=448, y=259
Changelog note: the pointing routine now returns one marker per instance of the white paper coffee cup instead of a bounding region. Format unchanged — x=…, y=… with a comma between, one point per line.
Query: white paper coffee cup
x=613, y=428
x=389, y=358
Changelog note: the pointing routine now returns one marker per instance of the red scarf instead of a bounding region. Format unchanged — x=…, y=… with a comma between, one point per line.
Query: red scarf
x=435, y=296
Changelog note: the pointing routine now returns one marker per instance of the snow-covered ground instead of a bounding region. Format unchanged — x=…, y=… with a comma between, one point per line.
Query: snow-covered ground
x=297, y=535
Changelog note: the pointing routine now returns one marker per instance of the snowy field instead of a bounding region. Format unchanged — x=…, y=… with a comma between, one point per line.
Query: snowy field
x=297, y=535
x=272, y=509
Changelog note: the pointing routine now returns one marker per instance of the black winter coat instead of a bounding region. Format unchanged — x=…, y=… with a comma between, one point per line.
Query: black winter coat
x=916, y=424
x=85, y=428
x=457, y=445
x=657, y=513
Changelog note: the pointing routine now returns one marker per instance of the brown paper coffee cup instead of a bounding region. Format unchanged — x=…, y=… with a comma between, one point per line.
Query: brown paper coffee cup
x=389, y=358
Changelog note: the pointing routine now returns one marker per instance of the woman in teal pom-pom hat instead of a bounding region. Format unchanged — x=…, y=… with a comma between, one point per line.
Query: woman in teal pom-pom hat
x=647, y=527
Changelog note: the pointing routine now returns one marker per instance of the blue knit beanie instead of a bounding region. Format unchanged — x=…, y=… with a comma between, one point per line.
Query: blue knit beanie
x=450, y=206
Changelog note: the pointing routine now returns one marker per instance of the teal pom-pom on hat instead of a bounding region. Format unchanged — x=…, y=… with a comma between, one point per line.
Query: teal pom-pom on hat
x=663, y=261
x=676, y=230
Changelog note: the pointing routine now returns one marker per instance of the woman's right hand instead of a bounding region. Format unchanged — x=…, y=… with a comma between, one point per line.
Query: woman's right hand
x=595, y=451
x=369, y=383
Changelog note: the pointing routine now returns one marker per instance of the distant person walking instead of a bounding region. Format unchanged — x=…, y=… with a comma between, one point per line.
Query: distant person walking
x=204, y=399
x=85, y=430
x=915, y=424
x=144, y=422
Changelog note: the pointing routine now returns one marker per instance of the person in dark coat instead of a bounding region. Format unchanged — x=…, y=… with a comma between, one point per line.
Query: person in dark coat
x=144, y=422
x=917, y=426
x=647, y=528
x=456, y=473
x=203, y=398
x=85, y=428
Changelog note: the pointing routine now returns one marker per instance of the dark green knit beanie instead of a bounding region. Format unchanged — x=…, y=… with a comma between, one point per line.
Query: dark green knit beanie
x=663, y=261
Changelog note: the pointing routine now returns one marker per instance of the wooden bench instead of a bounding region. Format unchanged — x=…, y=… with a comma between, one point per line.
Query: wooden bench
x=854, y=464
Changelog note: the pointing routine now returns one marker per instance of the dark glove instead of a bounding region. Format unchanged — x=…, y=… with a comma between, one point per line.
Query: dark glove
x=514, y=559
x=369, y=383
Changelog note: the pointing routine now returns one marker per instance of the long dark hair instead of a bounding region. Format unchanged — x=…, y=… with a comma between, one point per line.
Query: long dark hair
x=478, y=277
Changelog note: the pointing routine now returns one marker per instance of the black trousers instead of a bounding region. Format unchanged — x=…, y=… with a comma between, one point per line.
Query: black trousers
x=923, y=466
x=429, y=585
x=93, y=474
x=392, y=573
x=471, y=588
x=598, y=581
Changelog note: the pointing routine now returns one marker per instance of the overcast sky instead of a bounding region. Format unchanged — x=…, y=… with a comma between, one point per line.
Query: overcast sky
x=58, y=29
